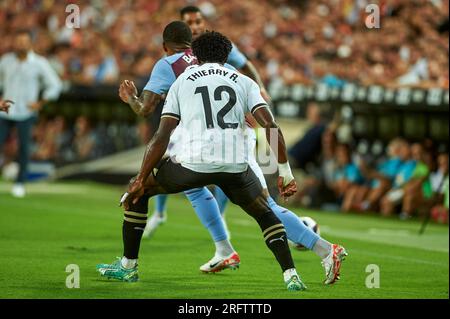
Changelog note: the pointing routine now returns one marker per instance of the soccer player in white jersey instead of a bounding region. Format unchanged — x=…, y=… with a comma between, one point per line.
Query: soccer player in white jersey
x=177, y=38
x=194, y=18
x=330, y=254
x=163, y=76
x=210, y=102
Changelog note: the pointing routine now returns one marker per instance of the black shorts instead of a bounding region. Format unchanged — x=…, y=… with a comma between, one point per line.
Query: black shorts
x=241, y=188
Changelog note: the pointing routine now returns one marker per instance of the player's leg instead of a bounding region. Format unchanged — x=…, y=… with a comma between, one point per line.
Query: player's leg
x=175, y=178
x=135, y=219
x=245, y=190
x=331, y=255
x=222, y=201
x=159, y=216
x=207, y=210
x=221, y=198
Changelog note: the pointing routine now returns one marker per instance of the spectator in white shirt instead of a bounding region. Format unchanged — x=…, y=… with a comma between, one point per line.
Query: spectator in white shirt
x=23, y=74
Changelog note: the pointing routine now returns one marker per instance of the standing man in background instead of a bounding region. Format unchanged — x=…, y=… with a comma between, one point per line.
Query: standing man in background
x=23, y=74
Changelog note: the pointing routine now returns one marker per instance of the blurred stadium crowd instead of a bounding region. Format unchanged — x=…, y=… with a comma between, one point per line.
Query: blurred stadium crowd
x=308, y=42
x=295, y=41
x=404, y=178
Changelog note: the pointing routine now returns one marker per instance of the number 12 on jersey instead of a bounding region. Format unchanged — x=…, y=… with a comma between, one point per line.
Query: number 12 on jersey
x=203, y=90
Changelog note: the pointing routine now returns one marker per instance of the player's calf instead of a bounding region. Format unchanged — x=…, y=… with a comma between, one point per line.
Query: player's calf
x=276, y=240
x=135, y=219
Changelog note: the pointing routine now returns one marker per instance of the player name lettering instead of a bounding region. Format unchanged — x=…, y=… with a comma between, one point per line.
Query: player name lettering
x=196, y=75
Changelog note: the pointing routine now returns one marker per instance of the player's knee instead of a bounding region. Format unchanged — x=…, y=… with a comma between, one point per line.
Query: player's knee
x=258, y=207
x=141, y=206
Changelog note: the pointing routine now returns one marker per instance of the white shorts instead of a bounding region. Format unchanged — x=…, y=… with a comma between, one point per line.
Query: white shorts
x=252, y=159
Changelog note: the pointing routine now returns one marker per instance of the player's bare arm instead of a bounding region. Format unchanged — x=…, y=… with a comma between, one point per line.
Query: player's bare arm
x=153, y=154
x=5, y=105
x=286, y=183
x=145, y=104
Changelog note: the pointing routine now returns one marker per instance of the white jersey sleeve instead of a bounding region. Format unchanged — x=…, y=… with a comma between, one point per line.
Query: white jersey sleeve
x=171, y=104
x=254, y=97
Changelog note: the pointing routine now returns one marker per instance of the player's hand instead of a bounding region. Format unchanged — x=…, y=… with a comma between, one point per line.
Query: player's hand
x=286, y=188
x=127, y=90
x=135, y=191
x=5, y=105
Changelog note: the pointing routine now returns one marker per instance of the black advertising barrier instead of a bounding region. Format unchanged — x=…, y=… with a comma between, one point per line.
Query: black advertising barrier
x=379, y=112
x=287, y=98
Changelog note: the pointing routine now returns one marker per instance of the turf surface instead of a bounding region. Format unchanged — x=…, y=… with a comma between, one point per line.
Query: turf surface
x=61, y=224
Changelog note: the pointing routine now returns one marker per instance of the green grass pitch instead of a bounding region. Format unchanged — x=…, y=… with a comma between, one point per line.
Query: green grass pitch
x=78, y=223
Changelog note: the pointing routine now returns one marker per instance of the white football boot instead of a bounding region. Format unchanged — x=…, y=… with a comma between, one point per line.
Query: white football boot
x=218, y=263
x=332, y=264
x=153, y=223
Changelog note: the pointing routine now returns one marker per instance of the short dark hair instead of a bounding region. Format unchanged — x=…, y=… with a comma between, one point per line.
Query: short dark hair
x=189, y=9
x=177, y=32
x=212, y=46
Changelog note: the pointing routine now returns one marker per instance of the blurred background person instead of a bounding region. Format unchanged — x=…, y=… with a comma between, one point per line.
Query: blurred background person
x=426, y=189
x=308, y=148
x=23, y=74
x=85, y=140
x=412, y=173
x=347, y=173
x=379, y=180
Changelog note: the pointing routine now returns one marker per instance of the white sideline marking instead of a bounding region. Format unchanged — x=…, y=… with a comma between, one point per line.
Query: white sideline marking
x=389, y=232
x=47, y=188
x=399, y=258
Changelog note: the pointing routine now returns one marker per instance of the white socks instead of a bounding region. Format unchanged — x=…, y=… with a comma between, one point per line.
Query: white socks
x=322, y=248
x=224, y=248
x=289, y=273
x=128, y=263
